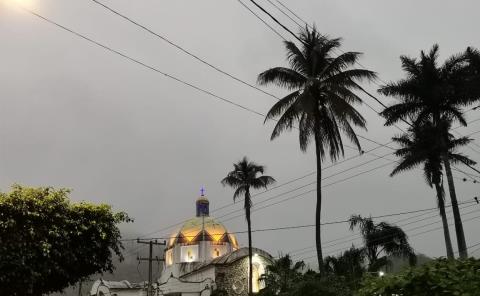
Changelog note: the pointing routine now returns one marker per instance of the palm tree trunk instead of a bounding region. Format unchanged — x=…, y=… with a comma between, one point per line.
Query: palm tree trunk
x=446, y=231
x=462, y=245
x=249, y=228
x=318, y=209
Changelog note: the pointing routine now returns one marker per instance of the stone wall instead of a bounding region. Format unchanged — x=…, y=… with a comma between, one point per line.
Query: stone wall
x=233, y=279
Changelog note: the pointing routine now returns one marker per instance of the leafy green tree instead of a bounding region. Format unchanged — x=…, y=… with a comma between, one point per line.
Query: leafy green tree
x=441, y=277
x=382, y=240
x=48, y=243
x=245, y=176
x=281, y=276
x=321, y=101
x=349, y=265
x=434, y=93
x=421, y=145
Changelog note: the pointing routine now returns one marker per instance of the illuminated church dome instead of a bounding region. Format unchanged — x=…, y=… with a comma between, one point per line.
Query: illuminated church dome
x=202, y=228
x=200, y=239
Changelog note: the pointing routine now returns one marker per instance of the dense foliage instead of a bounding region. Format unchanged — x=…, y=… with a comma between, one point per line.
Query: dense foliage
x=48, y=243
x=440, y=277
x=285, y=278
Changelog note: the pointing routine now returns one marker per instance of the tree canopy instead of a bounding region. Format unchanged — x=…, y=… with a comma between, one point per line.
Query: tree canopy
x=48, y=242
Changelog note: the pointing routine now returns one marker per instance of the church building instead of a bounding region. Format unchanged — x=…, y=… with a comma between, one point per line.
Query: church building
x=201, y=258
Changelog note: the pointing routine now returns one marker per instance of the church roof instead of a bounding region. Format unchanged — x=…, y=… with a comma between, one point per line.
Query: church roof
x=191, y=232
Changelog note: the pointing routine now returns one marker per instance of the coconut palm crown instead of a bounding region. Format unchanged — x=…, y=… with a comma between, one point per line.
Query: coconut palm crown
x=321, y=100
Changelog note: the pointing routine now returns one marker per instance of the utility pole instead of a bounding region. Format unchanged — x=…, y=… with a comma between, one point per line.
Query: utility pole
x=150, y=259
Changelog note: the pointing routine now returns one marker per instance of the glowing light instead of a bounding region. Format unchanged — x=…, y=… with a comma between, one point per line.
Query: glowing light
x=20, y=3
x=381, y=273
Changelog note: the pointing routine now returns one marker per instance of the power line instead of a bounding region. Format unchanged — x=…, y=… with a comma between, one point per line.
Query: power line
x=141, y=63
x=303, y=226
x=410, y=236
x=264, y=22
x=275, y=20
x=310, y=191
x=182, y=49
x=270, y=189
x=288, y=30
x=286, y=199
x=295, y=251
x=354, y=237
x=274, y=197
x=292, y=12
x=216, y=68
x=472, y=246
x=286, y=14
x=190, y=85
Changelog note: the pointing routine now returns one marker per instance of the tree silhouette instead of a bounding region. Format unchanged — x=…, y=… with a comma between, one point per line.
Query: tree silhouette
x=421, y=145
x=243, y=178
x=382, y=238
x=321, y=101
x=349, y=265
x=434, y=93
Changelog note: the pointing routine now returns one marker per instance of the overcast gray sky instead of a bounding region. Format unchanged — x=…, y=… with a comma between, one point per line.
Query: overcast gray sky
x=74, y=115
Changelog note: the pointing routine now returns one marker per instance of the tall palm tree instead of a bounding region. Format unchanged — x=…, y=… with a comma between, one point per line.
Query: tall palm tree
x=245, y=176
x=382, y=238
x=320, y=102
x=434, y=93
x=421, y=146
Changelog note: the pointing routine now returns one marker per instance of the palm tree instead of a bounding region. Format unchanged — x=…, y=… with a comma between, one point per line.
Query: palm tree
x=321, y=101
x=382, y=238
x=421, y=146
x=281, y=276
x=243, y=178
x=434, y=93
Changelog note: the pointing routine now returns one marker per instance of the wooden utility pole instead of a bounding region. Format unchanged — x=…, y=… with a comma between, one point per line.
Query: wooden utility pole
x=150, y=259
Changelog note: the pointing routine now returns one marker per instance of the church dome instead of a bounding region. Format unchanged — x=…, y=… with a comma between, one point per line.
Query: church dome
x=214, y=231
